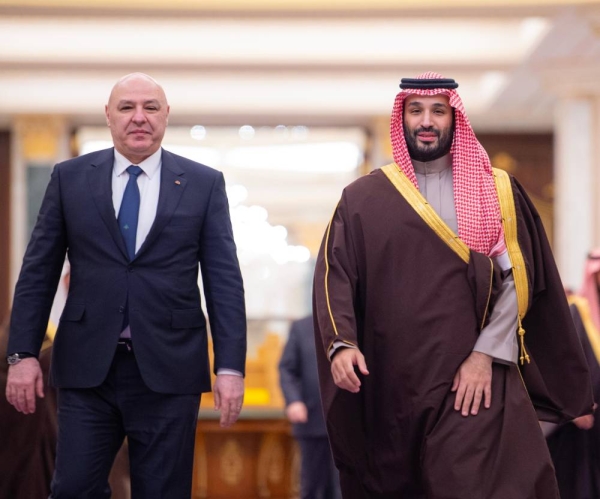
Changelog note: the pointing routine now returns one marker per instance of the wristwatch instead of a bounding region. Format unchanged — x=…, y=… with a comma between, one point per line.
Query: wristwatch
x=15, y=358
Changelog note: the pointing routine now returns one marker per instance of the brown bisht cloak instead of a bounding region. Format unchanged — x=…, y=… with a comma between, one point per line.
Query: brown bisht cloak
x=387, y=283
x=576, y=453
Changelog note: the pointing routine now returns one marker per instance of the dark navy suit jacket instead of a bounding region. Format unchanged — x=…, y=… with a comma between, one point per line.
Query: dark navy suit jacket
x=299, y=377
x=160, y=284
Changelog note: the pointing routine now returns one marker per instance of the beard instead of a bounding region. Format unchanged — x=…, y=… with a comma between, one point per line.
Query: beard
x=428, y=152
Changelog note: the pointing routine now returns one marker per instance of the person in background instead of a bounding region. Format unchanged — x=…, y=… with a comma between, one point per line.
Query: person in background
x=435, y=296
x=300, y=386
x=28, y=446
x=575, y=447
x=130, y=356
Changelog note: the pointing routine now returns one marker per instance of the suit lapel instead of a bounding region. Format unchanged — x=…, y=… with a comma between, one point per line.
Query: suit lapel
x=99, y=178
x=172, y=185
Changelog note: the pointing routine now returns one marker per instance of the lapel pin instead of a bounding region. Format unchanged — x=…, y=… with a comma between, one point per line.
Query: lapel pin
x=177, y=182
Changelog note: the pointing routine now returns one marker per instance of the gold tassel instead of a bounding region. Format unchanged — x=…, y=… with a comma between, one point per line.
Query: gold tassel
x=524, y=355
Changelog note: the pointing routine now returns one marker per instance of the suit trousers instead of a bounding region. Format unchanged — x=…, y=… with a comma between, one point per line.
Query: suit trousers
x=93, y=422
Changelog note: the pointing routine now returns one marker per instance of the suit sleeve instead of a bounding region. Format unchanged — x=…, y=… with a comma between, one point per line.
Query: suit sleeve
x=40, y=273
x=223, y=286
x=335, y=283
x=290, y=368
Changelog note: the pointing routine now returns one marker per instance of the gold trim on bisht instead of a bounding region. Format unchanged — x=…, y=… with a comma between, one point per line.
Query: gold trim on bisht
x=335, y=330
x=327, y=273
x=586, y=317
x=425, y=211
x=487, y=304
x=509, y=224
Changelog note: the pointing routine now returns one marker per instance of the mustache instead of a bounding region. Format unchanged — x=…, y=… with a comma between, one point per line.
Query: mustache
x=428, y=130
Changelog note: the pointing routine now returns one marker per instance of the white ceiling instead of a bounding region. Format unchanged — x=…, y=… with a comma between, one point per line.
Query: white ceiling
x=330, y=66
x=295, y=62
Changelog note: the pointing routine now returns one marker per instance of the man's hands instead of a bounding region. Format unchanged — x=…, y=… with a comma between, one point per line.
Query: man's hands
x=229, y=397
x=342, y=368
x=296, y=412
x=472, y=382
x=24, y=382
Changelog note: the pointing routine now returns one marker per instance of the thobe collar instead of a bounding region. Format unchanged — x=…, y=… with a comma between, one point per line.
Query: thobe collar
x=435, y=166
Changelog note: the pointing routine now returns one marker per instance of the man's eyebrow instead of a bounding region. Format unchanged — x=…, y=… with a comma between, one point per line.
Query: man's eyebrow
x=435, y=104
x=151, y=101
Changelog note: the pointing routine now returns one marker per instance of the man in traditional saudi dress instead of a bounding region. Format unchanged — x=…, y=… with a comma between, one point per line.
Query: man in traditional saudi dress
x=435, y=281
x=575, y=448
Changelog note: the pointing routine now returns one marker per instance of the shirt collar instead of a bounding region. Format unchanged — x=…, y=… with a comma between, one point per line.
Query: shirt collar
x=435, y=166
x=149, y=166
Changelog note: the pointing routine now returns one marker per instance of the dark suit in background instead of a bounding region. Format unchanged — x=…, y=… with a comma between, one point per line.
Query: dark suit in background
x=148, y=390
x=300, y=385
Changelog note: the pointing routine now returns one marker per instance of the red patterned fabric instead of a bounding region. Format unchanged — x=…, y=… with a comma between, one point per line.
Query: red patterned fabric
x=589, y=289
x=475, y=197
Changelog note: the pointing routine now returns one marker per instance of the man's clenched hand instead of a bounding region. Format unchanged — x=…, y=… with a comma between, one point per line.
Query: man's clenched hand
x=342, y=368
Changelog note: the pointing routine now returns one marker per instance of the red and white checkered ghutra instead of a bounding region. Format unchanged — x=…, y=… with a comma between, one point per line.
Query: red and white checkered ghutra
x=475, y=197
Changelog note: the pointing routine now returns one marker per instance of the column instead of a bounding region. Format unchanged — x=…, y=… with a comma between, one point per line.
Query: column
x=38, y=142
x=577, y=135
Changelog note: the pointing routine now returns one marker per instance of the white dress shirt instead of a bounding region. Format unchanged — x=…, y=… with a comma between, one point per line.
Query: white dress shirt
x=149, y=185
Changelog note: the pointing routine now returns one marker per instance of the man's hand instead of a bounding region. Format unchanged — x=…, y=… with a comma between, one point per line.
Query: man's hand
x=342, y=368
x=229, y=397
x=472, y=381
x=296, y=412
x=24, y=382
x=585, y=422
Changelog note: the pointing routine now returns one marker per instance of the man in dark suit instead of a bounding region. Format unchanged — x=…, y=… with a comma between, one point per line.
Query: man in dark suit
x=130, y=356
x=300, y=385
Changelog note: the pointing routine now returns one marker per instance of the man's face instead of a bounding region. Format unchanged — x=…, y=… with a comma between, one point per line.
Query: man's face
x=428, y=126
x=137, y=113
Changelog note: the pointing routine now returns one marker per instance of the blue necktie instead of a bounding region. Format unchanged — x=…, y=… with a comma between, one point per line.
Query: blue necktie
x=130, y=209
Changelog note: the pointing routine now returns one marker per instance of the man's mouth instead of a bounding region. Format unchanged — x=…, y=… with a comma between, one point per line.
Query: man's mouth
x=427, y=136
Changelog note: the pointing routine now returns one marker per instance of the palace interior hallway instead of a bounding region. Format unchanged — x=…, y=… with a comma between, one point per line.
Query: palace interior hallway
x=291, y=100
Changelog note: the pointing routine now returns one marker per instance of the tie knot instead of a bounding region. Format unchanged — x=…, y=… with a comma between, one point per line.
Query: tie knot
x=134, y=170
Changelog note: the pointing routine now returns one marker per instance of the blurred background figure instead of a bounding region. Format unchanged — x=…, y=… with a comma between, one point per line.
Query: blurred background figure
x=575, y=448
x=28, y=441
x=300, y=386
x=28, y=447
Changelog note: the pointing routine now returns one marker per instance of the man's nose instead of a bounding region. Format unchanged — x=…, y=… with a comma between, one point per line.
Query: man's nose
x=426, y=123
x=139, y=115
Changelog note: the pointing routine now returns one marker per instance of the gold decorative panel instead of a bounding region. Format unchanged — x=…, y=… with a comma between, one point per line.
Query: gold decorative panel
x=232, y=463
